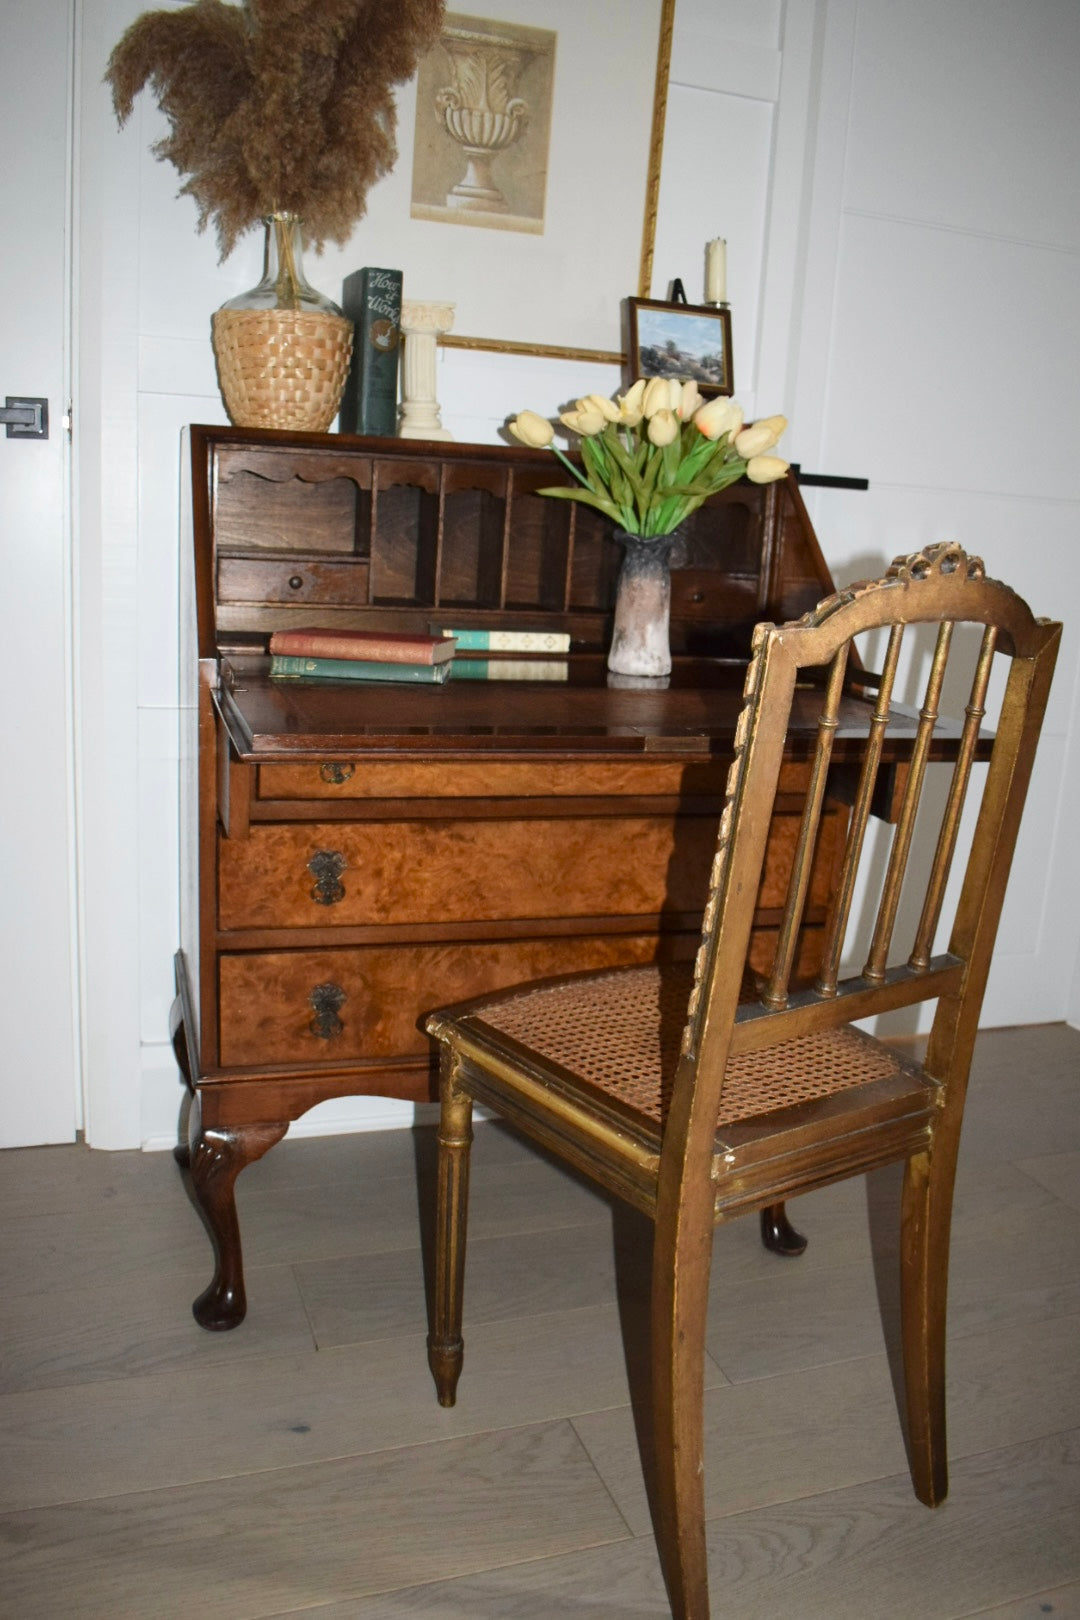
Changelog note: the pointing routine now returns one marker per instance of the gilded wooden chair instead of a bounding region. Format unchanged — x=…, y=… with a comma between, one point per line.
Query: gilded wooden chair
x=695, y=1108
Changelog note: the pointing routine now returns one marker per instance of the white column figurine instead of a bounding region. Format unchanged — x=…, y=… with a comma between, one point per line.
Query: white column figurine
x=716, y=271
x=421, y=324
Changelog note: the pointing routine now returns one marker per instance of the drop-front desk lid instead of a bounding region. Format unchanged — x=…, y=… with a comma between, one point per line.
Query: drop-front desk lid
x=590, y=713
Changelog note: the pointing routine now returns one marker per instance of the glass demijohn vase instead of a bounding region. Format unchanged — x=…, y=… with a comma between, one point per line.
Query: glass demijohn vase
x=282, y=349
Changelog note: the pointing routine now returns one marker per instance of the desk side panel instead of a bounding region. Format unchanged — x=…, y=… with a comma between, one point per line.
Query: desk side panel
x=189, y=749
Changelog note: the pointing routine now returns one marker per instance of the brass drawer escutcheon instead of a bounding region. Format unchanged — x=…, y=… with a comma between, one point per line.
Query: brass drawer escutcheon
x=337, y=771
x=326, y=867
x=327, y=1001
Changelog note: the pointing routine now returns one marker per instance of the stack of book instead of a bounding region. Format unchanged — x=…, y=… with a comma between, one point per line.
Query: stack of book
x=519, y=655
x=316, y=654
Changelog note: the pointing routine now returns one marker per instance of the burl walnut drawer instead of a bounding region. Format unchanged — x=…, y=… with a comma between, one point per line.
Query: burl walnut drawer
x=287, y=875
x=324, y=1006
x=419, y=779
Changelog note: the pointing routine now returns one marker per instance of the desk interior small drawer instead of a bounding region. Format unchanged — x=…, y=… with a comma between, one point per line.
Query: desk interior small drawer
x=328, y=1006
x=338, y=580
x=712, y=594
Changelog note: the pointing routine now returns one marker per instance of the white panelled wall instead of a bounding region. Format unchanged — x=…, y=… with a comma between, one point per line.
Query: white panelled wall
x=896, y=182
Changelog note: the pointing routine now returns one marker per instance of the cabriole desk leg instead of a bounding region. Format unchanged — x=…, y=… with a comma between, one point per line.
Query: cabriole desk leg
x=777, y=1232
x=214, y=1158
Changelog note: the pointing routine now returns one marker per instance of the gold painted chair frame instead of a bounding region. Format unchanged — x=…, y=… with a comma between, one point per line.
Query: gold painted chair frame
x=739, y=1106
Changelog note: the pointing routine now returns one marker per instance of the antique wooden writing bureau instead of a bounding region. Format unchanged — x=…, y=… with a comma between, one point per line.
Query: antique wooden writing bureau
x=365, y=852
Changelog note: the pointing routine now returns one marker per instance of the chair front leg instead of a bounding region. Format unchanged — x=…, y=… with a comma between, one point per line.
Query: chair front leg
x=681, y=1262
x=445, y=1345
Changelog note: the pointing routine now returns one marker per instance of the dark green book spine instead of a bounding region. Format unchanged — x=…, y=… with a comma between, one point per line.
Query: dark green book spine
x=371, y=299
x=296, y=667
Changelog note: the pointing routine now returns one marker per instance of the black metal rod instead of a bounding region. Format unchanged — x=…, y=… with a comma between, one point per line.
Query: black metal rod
x=826, y=481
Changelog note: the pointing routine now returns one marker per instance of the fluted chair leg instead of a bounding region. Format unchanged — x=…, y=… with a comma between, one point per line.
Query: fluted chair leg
x=445, y=1345
x=924, y=1261
x=680, y=1298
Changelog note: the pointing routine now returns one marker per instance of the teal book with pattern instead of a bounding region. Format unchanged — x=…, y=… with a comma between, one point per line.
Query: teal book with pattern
x=537, y=641
x=511, y=669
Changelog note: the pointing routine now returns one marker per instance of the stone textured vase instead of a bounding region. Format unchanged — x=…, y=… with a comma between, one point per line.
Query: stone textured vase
x=640, y=637
x=282, y=348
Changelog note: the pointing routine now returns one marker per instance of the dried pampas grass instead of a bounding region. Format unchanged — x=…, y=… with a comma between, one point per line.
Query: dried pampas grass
x=276, y=106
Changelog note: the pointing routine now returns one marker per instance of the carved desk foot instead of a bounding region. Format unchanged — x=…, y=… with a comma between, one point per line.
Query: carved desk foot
x=213, y=1159
x=778, y=1234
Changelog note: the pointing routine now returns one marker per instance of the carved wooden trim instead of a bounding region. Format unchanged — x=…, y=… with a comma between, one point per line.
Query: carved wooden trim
x=718, y=875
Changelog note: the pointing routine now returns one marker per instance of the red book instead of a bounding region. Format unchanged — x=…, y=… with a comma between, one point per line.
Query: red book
x=371, y=646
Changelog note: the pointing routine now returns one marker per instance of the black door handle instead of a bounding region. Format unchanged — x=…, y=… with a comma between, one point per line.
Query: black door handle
x=25, y=418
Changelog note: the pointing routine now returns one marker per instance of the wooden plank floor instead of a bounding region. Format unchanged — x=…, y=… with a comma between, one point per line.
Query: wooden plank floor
x=301, y=1466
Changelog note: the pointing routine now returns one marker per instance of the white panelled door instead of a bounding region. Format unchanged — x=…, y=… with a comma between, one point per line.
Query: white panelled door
x=39, y=1067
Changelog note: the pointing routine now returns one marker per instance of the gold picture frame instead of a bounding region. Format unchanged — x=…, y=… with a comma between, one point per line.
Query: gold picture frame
x=519, y=293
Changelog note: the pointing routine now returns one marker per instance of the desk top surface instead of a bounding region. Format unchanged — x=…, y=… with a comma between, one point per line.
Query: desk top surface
x=590, y=714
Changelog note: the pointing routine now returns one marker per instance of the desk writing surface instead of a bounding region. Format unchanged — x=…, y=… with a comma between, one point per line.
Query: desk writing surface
x=589, y=714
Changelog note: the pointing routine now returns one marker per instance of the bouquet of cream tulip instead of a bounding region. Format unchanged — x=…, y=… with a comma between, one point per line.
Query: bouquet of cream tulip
x=654, y=454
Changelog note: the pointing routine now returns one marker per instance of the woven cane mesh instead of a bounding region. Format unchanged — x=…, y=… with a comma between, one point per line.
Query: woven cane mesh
x=621, y=1031
x=282, y=368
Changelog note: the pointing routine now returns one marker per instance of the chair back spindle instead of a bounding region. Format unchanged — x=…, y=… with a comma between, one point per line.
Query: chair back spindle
x=776, y=991
x=836, y=927
x=974, y=715
x=905, y=827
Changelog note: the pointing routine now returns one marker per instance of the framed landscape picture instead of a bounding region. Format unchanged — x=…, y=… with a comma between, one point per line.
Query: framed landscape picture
x=681, y=340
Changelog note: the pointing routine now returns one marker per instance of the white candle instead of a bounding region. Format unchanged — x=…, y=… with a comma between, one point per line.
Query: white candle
x=716, y=271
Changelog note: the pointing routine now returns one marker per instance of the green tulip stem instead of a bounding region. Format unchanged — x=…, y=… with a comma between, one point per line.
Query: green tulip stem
x=569, y=465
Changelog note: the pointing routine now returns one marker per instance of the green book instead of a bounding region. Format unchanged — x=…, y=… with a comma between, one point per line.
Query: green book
x=295, y=667
x=371, y=299
x=538, y=641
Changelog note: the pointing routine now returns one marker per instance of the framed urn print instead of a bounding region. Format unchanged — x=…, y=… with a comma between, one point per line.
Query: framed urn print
x=482, y=138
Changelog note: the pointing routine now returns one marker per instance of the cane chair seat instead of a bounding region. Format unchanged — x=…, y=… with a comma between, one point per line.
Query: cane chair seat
x=697, y=1097
x=619, y=1032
